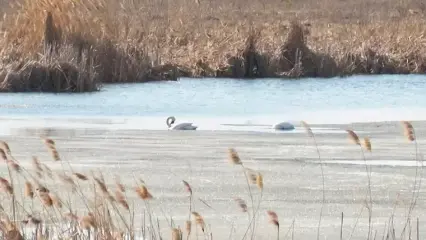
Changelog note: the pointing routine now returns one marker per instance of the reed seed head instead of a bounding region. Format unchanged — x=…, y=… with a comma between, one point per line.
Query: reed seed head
x=408, y=131
x=101, y=185
x=37, y=166
x=188, y=227
x=46, y=199
x=251, y=174
x=307, y=128
x=143, y=192
x=273, y=218
x=5, y=185
x=41, y=189
x=50, y=144
x=242, y=204
x=119, y=197
x=259, y=181
x=14, y=166
x=119, y=185
x=353, y=137
x=176, y=234
x=367, y=144
x=187, y=187
x=49, y=141
x=5, y=147
x=29, y=192
x=198, y=220
x=88, y=221
x=81, y=176
x=55, y=200
x=233, y=156
x=3, y=155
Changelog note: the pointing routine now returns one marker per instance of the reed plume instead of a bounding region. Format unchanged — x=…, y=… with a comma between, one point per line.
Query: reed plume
x=88, y=221
x=10, y=230
x=198, y=220
x=6, y=186
x=119, y=197
x=307, y=128
x=236, y=160
x=410, y=135
x=3, y=155
x=50, y=144
x=259, y=181
x=311, y=134
x=5, y=147
x=273, y=218
x=46, y=199
x=29, y=192
x=188, y=222
x=14, y=166
x=353, y=137
x=37, y=166
x=102, y=186
x=176, y=234
x=143, y=193
x=188, y=227
x=252, y=176
x=119, y=185
x=233, y=156
x=56, y=201
x=41, y=189
x=408, y=131
x=187, y=187
x=81, y=176
x=367, y=144
x=242, y=204
x=49, y=141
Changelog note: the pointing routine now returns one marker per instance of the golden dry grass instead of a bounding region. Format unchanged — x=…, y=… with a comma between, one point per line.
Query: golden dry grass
x=137, y=41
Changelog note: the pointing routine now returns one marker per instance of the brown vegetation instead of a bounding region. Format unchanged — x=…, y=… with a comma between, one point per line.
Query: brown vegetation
x=51, y=45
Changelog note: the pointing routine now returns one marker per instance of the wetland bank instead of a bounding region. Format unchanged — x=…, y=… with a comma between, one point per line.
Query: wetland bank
x=56, y=46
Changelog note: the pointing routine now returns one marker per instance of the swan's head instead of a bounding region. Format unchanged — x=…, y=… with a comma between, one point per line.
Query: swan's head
x=170, y=120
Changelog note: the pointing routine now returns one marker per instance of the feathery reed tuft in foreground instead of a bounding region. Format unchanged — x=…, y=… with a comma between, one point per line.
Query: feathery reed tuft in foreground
x=353, y=137
x=408, y=131
x=367, y=144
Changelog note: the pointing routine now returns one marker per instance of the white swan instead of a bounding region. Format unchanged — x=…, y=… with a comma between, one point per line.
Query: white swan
x=283, y=126
x=181, y=126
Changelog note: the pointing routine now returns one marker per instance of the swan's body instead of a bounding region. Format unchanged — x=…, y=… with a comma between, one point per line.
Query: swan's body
x=181, y=126
x=283, y=126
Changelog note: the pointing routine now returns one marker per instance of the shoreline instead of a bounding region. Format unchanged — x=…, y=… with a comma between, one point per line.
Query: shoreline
x=154, y=123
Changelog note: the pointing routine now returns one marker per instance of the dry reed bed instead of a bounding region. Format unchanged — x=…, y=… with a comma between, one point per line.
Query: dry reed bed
x=33, y=205
x=137, y=41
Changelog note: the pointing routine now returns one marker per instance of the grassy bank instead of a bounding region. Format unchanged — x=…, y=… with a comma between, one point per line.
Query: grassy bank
x=84, y=43
x=41, y=200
